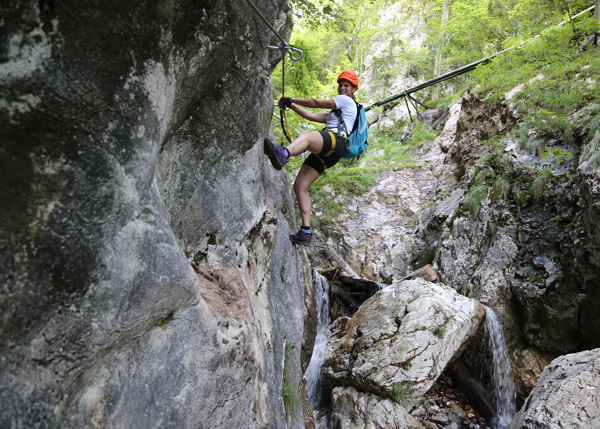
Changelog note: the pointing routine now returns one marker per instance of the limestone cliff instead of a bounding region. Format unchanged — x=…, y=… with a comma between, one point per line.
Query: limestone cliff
x=145, y=271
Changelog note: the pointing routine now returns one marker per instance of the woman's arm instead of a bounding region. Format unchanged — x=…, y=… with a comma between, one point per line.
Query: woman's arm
x=312, y=103
x=311, y=116
x=315, y=103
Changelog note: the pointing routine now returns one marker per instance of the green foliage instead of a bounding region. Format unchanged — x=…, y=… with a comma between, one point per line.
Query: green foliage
x=501, y=188
x=594, y=127
x=558, y=154
x=327, y=192
x=521, y=199
x=291, y=397
x=557, y=79
x=445, y=101
x=557, y=76
x=386, y=150
x=439, y=331
x=400, y=59
x=538, y=147
x=473, y=200
x=312, y=13
x=401, y=393
x=539, y=183
x=592, y=149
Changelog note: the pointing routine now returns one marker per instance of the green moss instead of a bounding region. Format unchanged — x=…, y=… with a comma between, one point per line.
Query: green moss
x=291, y=397
x=290, y=389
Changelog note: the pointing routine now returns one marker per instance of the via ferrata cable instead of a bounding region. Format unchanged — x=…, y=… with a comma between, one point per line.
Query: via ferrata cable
x=285, y=48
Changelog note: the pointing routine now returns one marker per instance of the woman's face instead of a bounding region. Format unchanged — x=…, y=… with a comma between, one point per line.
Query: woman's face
x=346, y=88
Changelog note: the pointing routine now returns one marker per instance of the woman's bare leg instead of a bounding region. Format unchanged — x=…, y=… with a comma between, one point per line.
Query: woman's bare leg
x=305, y=178
x=311, y=141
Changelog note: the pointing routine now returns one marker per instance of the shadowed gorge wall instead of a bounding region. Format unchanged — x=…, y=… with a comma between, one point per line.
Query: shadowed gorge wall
x=146, y=277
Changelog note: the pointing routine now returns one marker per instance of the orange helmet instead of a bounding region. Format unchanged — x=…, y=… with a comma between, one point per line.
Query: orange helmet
x=350, y=76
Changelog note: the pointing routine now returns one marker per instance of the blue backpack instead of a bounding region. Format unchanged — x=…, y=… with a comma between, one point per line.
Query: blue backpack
x=358, y=138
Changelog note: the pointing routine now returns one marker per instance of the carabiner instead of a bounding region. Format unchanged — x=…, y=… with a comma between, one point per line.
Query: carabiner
x=287, y=49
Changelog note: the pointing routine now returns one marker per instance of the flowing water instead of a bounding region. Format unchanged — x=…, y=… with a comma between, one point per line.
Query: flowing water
x=313, y=372
x=504, y=386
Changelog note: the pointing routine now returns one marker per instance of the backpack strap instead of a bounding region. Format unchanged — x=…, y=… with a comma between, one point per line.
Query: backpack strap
x=342, y=123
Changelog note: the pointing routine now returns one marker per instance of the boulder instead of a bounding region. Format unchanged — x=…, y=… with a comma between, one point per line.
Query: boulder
x=567, y=395
x=401, y=339
x=352, y=409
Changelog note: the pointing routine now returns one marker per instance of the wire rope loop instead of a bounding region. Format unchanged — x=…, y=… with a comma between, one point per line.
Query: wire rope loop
x=295, y=49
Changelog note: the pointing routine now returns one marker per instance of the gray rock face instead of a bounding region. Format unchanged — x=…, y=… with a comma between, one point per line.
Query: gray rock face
x=567, y=395
x=588, y=174
x=401, y=339
x=352, y=409
x=519, y=255
x=122, y=154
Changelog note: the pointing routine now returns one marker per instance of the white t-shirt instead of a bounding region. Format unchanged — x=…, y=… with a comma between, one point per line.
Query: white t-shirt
x=348, y=108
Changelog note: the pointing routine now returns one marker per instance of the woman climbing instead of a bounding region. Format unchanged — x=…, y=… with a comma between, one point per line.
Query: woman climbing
x=327, y=147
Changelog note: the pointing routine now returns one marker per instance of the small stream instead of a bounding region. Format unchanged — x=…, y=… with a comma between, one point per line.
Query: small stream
x=502, y=377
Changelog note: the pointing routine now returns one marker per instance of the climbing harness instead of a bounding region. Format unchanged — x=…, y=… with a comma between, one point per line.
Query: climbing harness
x=333, y=144
x=285, y=48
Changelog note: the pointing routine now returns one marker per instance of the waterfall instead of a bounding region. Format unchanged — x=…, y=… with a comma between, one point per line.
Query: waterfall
x=313, y=372
x=504, y=386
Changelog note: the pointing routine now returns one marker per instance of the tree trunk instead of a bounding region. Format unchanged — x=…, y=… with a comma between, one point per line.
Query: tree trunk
x=435, y=94
x=349, y=43
x=597, y=9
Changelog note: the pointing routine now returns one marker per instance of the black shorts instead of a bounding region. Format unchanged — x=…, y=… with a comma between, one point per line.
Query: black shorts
x=330, y=154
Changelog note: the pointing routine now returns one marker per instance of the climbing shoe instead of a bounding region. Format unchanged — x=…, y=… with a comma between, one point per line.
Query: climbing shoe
x=275, y=153
x=301, y=238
